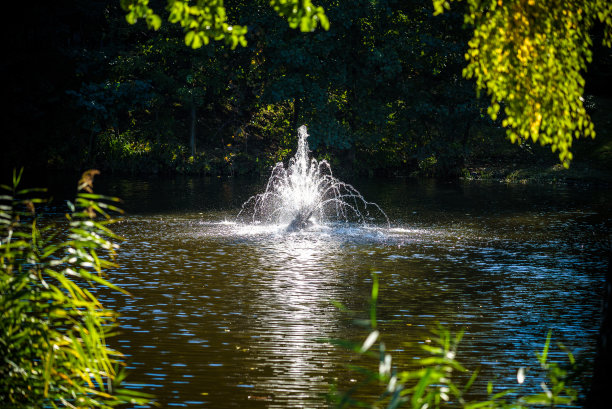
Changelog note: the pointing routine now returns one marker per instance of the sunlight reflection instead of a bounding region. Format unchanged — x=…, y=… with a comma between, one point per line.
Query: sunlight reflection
x=298, y=312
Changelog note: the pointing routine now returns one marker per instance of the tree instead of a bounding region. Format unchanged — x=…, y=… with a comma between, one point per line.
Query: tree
x=437, y=111
x=530, y=57
x=381, y=88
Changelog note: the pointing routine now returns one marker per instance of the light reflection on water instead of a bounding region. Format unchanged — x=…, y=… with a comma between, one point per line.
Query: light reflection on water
x=228, y=315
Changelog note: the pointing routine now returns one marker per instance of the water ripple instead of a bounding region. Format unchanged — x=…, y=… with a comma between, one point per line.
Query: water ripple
x=229, y=315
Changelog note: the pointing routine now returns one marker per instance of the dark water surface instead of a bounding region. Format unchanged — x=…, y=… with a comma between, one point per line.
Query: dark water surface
x=226, y=315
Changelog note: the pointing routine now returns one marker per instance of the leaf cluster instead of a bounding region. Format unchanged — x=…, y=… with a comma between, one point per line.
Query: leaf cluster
x=530, y=57
x=301, y=13
x=207, y=19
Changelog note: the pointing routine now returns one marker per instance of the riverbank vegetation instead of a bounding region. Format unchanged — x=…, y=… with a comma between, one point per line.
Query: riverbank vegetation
x=380, y=84
x=381, y=91
x=53, y=328
x=437, y=379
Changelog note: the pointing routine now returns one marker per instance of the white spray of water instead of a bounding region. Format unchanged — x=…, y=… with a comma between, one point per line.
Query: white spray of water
x=306, y=192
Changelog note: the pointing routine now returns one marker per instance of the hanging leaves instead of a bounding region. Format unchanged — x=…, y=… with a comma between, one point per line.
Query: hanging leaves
x=206, y=19
x=530, y=57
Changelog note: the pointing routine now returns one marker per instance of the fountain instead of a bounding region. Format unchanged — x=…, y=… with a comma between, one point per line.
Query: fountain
x=306, y=193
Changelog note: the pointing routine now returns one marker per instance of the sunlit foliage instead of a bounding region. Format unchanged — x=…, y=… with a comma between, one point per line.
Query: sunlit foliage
x=53, y=329
x=203, y=20
x=530, y=57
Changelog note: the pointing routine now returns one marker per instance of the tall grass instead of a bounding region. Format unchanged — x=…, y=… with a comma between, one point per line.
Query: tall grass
x=53, y=329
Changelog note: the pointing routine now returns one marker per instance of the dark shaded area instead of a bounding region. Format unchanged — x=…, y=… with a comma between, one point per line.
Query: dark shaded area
x=599, y=75
x=42, y=60
x=381, y=92
x=599, y=396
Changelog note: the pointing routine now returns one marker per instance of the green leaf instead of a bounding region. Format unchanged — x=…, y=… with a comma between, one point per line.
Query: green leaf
x=373, y=299
x=31, y=190
x=189, y=38
x=154, y=21
x=544, y=355
x=324, y=21
x=131, y=17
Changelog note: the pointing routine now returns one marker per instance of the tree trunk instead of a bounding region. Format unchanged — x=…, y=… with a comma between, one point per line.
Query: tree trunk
x=192, y=138
x=295, y=117
x=92, y=135
x=599, y=395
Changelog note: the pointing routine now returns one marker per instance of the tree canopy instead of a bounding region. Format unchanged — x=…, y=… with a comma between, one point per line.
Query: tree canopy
x=529, y=56
x=380, y=85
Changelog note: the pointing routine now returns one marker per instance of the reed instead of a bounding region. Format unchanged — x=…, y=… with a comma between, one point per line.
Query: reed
x=435, y=384
x=53, y=329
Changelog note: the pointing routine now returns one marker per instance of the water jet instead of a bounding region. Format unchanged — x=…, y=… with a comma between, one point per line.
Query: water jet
x=305, y=193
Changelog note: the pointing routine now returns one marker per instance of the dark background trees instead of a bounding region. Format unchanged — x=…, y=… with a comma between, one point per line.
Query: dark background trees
x=381, y=92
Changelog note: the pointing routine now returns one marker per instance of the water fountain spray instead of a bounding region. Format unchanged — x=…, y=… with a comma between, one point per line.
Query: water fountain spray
x=305, y=193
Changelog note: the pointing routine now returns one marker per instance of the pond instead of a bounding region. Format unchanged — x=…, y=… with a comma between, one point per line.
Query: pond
x=229, y=315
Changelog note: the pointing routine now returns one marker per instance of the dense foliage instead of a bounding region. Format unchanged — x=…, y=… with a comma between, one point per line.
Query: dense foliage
x=380, y=88
x=379, y=84
x=206, y=19
x=530, y=57
x=53, y=329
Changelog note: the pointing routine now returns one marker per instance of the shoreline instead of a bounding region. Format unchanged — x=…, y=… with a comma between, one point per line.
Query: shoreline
x=578, y=173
